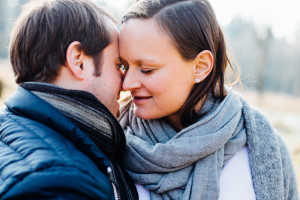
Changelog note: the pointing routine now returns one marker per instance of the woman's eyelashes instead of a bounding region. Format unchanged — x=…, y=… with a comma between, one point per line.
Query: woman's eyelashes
x=146, y=71
x=125, y=67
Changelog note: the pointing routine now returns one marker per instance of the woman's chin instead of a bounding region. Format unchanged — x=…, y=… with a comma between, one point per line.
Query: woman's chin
x=145, y=114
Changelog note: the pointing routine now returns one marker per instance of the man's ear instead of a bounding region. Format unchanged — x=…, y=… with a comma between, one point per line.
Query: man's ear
x=74, y=59
x=204, y=63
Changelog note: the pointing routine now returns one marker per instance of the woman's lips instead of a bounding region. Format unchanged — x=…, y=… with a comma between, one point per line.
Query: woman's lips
x=140, y=100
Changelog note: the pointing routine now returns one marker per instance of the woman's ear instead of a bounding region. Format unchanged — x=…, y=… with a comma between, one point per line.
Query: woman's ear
x=204, y=63
x=74, y=59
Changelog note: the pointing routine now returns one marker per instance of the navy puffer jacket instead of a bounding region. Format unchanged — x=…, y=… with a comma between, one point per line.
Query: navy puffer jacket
x=43, y=155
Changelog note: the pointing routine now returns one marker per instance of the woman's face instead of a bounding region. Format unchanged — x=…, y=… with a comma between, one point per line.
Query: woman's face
x=158, y=78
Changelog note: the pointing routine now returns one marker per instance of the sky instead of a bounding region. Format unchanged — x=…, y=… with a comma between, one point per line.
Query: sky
x=283, y=16
x=117, y=3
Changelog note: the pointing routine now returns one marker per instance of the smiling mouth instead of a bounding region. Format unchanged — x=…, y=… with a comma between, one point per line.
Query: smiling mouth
x=139, y=100
x=141, y=97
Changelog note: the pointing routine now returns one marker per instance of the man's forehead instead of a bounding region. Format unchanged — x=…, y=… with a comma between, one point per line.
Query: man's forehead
x=110, y=24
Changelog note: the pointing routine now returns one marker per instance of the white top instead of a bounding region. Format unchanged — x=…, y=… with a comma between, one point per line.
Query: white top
x=235, y=180
x=143, y=193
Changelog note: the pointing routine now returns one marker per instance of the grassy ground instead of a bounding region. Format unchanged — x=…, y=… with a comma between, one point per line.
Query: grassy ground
x=283, y=112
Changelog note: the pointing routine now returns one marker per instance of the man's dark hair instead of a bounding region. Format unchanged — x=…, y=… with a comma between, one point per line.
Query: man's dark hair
x=46, y=28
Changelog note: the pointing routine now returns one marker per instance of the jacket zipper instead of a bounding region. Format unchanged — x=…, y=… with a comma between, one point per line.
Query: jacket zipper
x=112, y=179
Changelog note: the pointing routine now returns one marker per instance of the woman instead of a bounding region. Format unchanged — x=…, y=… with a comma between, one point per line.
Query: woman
x=185, y=131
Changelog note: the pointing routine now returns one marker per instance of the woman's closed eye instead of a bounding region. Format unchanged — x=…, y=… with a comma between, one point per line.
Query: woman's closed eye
x=146, y=71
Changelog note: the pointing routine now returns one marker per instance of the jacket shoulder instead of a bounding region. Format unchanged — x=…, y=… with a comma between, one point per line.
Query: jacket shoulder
x=36, y=160
x=58, y=183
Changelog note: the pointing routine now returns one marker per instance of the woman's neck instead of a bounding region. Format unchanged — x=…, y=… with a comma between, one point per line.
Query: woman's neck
x=175, y=122
x=174, y=119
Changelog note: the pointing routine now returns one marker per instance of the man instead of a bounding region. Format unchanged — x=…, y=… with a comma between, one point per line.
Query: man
x=57, y=140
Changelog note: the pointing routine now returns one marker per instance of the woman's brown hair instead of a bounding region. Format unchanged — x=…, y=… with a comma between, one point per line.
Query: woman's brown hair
x=193, y=27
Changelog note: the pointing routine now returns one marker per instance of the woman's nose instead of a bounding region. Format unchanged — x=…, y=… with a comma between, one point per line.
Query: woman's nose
x=131, y=81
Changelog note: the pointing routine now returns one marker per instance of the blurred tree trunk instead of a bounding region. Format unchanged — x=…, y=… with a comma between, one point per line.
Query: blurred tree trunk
x=1, y=88
x=264, y=45
x=2, y=29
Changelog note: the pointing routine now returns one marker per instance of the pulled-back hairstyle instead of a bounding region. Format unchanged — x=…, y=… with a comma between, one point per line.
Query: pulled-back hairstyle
x=46, y=28
x=192, y=26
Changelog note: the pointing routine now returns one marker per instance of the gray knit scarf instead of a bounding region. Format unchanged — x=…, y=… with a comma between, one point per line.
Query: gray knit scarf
x=187, y=164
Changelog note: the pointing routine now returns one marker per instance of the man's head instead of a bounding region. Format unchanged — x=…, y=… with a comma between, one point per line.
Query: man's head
x=44, y=31
x=70, y=43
